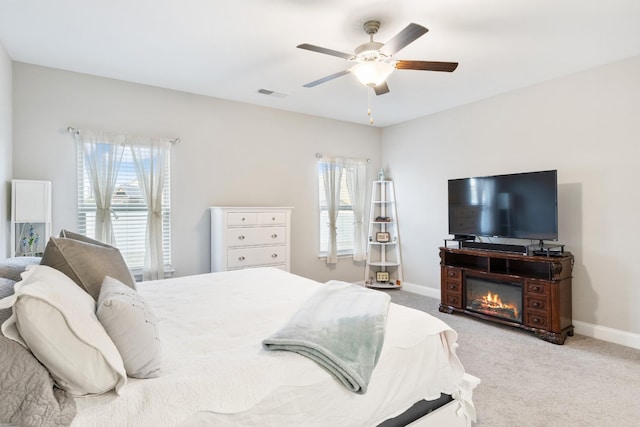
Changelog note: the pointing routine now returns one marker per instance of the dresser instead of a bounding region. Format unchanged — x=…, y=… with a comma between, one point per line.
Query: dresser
x=247, y=237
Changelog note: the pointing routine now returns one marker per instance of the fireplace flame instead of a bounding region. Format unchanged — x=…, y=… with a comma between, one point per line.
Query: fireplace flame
x=493, y=302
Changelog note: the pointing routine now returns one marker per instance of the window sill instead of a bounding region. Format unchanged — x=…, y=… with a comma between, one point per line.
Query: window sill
x=340, y=256
x=137, y=273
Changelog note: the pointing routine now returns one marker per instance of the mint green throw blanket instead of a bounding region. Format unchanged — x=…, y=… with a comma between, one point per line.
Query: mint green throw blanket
x=341, y=327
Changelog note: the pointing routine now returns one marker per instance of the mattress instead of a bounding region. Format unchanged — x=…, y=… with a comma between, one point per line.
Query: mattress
x=215, y=371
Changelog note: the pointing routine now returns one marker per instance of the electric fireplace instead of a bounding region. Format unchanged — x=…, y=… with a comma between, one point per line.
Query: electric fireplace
x=495, y=298
x=529, y=292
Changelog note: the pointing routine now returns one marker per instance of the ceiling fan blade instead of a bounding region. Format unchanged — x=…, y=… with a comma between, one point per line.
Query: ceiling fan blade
x=426, y=65
x=410, y=33
x=324, y=50
x=381, y=89
x=327, y=78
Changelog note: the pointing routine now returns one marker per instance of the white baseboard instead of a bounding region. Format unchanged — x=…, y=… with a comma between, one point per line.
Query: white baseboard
x=616, y=336
x=421, y=290
x=603, y=333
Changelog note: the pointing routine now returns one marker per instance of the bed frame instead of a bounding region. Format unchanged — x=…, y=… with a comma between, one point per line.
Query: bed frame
x=203, y=404
x=439, y=412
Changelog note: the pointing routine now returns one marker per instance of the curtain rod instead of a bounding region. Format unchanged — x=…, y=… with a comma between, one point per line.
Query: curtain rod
x=76, y=131
x=319, y=156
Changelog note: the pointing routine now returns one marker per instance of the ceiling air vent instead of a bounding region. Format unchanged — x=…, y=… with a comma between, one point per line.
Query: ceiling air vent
x=272, y=93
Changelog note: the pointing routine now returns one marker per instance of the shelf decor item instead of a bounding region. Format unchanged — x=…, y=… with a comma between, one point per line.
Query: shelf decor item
x=382, y=276
x=30, y=240
x=383, y=237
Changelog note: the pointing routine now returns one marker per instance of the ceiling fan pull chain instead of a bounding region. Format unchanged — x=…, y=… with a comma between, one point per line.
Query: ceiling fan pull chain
x=369, y=101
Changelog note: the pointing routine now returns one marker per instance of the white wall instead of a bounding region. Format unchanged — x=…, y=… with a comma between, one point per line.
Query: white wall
x=231, y=154
x=586, y=126
x=5, y=150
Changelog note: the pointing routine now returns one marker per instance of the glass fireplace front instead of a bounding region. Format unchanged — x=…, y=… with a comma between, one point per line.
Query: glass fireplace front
x=494, y=298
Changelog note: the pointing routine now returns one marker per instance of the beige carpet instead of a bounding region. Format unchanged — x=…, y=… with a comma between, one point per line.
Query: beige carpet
x=530, y=382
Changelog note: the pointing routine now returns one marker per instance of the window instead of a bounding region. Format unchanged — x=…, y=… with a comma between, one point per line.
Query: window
x=345, y=222
x=341, y=196
x=128, y=211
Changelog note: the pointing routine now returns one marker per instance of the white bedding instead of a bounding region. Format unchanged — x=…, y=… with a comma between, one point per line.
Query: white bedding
x=215, y=371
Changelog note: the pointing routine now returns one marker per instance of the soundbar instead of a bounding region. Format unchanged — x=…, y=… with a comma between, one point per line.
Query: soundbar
x=497, y=247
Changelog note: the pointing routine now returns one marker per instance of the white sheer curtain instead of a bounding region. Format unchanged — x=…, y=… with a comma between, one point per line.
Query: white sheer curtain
x=150, y=157
x=102, y=154
x=331, y=172
x=356, y=171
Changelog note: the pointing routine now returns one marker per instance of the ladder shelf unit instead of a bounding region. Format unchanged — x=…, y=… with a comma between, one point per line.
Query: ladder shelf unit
x=384, y=263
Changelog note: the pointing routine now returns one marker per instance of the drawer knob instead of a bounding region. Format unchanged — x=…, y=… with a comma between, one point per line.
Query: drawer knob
x=274, y=236
x=274, y=256
x=452, y=286
x=241, y=237
x=535, y=304
x=536, y=320
x=273, y=219
x=451, y=273
x=244, y=219
x=241, y=258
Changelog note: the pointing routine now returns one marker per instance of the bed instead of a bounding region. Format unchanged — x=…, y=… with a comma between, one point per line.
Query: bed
x=215, y=370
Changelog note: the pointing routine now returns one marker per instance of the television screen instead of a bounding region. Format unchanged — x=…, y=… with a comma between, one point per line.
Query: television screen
x=523, y=206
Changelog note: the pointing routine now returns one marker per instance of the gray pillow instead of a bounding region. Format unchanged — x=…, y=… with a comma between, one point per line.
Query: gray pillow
x=6, y=289
x=87, y=264
x=131, y=326
x=82, y=238
x=10, y=268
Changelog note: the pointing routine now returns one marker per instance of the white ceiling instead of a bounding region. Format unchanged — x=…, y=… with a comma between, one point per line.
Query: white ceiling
x=232, y=48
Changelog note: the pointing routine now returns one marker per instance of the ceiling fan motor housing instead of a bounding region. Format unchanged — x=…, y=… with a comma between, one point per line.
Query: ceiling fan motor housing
x=369, y=51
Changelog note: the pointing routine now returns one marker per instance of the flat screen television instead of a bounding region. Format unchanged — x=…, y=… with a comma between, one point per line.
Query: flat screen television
x=521, y=205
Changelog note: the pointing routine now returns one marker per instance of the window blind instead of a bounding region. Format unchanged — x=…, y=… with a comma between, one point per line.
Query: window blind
x=345, y=222
x=128, y=210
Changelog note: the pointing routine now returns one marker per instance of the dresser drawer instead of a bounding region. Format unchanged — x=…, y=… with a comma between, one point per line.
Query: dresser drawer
x=535, y=288
x=532, y=303
x=454, y=300
x=238, y=219
x=256, y=236
x=453, y=287
x=248, y=257
x=242, y=218
x=272, y=218
x=452, y=274
x=536, y=320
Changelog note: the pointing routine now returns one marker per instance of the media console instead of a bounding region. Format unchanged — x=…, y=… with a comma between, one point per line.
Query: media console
x=536, y=290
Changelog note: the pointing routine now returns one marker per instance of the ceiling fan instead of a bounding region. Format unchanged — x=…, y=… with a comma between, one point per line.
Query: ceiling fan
x=374, y=60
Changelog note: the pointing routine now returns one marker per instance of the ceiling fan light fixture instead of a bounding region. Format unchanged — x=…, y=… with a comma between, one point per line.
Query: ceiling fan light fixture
x=372, y=73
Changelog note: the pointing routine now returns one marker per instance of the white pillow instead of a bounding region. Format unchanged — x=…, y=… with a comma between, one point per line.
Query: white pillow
x=132, y=326
x=56, y=320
